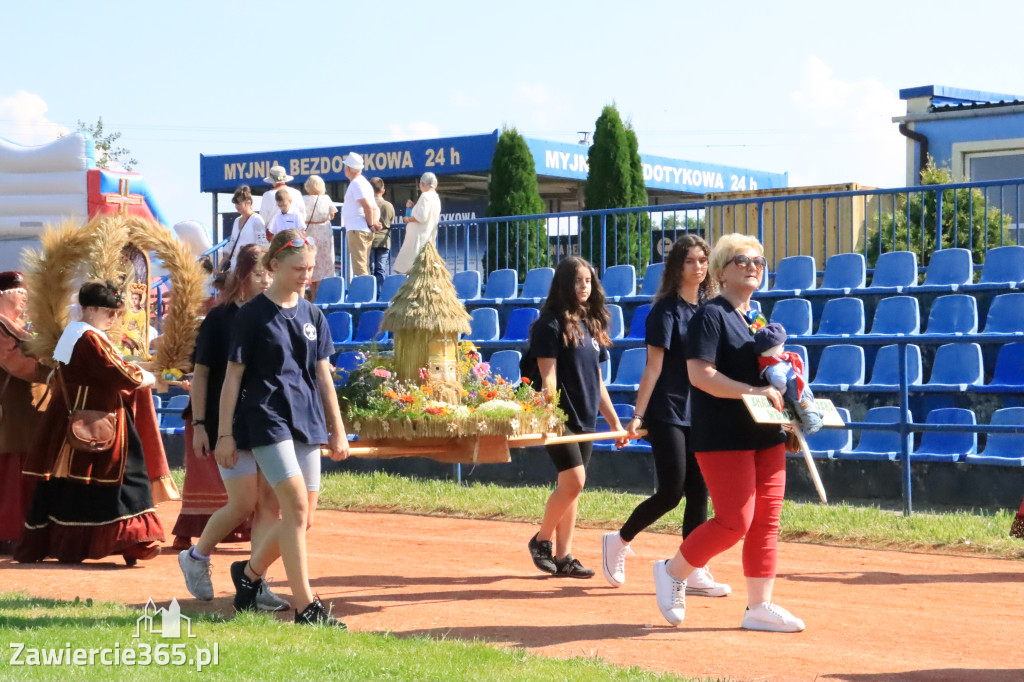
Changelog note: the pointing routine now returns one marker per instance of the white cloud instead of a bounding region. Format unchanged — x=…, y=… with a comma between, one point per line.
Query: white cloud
x=416, y=130
x=23, y=120
x=850, y=136
x=542, y=109
x=463, y=100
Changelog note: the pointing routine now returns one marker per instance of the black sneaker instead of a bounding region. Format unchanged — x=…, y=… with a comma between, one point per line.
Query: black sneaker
x=570, y=567
x=245, y=589
x=316, y=614
x=540, y=551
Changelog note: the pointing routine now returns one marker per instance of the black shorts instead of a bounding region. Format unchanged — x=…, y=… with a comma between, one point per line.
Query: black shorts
x=567, y=456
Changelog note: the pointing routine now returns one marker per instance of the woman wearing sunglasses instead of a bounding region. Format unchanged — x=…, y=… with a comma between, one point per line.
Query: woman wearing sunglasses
x=278, y=402
x=743, y=462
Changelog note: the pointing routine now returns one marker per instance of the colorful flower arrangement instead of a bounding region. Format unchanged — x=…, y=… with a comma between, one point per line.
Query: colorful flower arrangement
x=375, y=404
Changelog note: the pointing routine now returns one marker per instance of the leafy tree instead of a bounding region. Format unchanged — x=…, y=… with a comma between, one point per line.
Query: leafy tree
x=111, y=157
x=968, y=221
x=512, y=191
x=615, y=180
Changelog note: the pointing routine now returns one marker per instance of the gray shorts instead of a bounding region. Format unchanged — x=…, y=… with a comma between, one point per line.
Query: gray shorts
x=245, y=466
x=281, y=461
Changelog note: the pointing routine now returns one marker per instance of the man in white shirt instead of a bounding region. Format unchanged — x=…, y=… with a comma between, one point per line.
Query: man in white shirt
x=360, y=215
x=268, y=206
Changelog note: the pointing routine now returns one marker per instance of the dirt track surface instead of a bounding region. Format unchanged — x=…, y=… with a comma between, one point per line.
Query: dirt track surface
x=871, y=615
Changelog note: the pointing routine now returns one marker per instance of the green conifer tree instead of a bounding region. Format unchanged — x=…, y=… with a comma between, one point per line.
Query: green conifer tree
x=512, y=190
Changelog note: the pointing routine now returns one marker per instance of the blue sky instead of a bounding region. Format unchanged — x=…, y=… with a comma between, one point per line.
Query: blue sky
x=807, y=88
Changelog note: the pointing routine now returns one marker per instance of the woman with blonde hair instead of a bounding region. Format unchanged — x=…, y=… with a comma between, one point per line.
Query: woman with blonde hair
x=743, y=462
x=320, y=212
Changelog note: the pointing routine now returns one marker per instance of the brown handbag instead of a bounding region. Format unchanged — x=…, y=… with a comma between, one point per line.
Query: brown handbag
x=89, y=431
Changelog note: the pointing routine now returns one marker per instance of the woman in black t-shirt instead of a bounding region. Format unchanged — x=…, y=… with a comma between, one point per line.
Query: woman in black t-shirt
x=662, y=406
x=570, y=340
x=278, y=401
x=743, y=462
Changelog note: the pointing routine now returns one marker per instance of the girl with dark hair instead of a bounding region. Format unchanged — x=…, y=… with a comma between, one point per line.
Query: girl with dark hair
x=218, y=504
x=570, y=340
x=278, y=409
x=89, y=505
x=662, y=406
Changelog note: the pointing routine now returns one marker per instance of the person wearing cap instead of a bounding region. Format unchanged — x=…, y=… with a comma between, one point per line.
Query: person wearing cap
x=268, y=206
x=421, y=224
x=360, y=215
x=743, y=461
x=97, y=504
x=22, y=396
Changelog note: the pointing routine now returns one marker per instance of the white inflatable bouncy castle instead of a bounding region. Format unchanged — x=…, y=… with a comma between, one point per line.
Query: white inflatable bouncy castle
x=58, y=181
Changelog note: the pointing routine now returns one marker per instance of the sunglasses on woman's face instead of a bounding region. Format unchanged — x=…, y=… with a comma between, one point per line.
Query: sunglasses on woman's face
x=296, y=243
x=743, y=261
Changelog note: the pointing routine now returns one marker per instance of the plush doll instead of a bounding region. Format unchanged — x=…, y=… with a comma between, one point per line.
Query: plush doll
x=785, y=371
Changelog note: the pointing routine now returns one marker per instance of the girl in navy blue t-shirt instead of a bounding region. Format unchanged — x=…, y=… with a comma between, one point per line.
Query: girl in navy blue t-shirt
x=570, y=340
x=278, y=401
x=662, y=406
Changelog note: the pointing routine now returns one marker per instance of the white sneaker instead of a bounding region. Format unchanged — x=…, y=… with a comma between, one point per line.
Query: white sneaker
x=701, y=583
x=670, y=593
x=613, y=558
x=268, y=601
x=197, y=575
x=770, y=617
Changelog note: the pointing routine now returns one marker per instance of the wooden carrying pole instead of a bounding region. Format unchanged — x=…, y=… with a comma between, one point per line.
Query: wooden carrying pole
x=517, y=442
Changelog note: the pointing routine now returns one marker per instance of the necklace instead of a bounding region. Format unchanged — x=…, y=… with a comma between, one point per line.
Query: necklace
x=281, y=309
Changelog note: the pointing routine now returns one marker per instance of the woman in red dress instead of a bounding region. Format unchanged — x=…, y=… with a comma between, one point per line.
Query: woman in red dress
x=91, y=505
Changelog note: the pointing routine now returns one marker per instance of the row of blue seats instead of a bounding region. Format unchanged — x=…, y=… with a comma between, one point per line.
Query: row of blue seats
x=950, y=315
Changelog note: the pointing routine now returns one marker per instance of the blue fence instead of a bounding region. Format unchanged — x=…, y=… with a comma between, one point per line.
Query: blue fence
x=977, y=216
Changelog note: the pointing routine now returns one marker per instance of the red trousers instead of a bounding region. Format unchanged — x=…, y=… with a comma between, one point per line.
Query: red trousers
x=746, y=488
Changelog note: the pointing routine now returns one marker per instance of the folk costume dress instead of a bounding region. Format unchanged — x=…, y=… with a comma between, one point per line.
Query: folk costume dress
x=89, y=506
x=22, y=401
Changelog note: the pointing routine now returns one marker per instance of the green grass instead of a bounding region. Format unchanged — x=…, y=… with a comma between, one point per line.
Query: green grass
x=972, y=531
x=255, y=647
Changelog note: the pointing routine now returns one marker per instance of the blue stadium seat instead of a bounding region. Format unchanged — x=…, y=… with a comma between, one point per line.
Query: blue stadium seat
x=946, y=446
x=1003, y=269
x=619, y=281
x=885, y=374
x=844, y=272
x=955, y=367
x=606, y=371
x=794, y=314
x=895, y=272
x=883, y=445
x=830, y=442
x=519, y=321
x=362, y=289
x=897, y=316
x=340, y=324
x=483, y=325
x=1003, y=449
x=624, y=413
x=505, y=363
x=537, y=285
x=346, y=362
x=390, y=287
x=331, y=292
x=638, y=323
x=467, y=284
x=948, y=270
x=802, y=352
x=616, y=325
x=1005, y=315
x=631, y=368
x=172, y=422
x=652, y=279
x=368, y=327
x=1008, y=376
x=158, y=405
x=841, y=317
x=502, y=285
x=954, y=314
x=793, y=275
x=840, y=367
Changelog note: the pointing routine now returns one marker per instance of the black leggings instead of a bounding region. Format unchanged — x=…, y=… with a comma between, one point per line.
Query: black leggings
x=678, y=474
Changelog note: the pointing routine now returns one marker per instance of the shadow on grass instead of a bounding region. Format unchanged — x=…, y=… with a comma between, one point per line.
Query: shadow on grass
x=888, y=578
x=19, y=622
x=533, y=636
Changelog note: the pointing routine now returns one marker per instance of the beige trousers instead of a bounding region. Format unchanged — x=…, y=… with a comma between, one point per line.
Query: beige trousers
x=359, y=243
